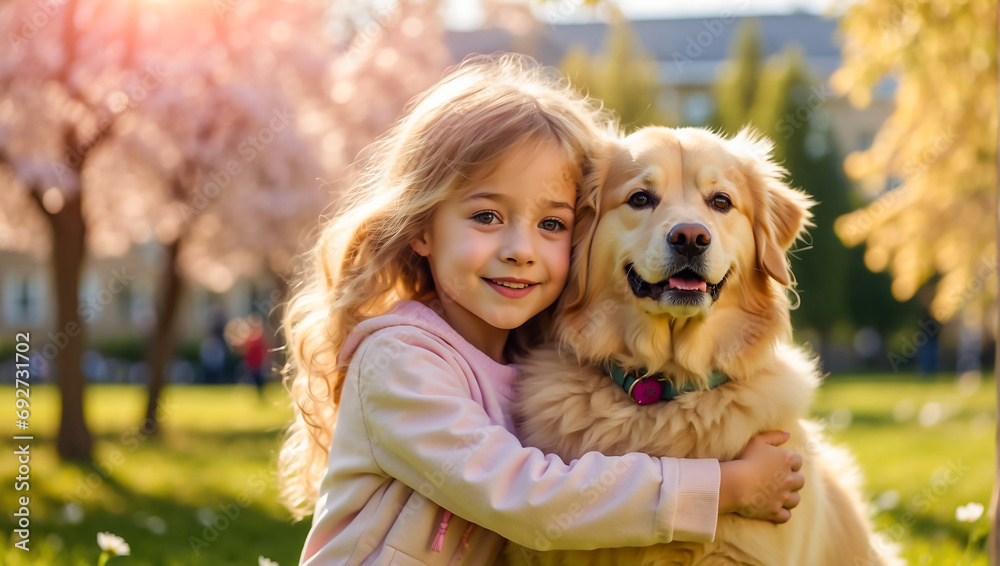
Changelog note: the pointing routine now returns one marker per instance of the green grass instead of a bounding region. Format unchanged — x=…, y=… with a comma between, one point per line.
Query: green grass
x=899, y=454
x=215, y=463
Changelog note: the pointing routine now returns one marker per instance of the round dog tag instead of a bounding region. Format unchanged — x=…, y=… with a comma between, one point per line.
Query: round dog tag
x=647, y=391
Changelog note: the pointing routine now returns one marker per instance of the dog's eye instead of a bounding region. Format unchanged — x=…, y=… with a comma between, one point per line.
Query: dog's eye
x=641, y=199
x=721, y=202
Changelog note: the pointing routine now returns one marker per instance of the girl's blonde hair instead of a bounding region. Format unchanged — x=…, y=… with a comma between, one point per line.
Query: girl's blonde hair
x=455, y=132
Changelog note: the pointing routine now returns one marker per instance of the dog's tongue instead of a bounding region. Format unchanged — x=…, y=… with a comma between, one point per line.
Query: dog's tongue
x=687, y=284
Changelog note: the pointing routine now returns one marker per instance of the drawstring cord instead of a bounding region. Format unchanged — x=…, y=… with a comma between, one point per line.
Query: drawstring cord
x=442, y=529
x=464, y=547
x=438, y=545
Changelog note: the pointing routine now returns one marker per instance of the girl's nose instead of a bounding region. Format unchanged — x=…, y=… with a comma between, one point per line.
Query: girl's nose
x=516, y=260
x=517, y=247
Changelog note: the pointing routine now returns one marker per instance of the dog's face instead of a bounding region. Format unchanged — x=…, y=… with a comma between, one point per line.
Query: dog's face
x=676, y=221
x=680, y=223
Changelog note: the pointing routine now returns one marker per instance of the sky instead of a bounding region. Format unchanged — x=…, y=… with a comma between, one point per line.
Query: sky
x=468, y=14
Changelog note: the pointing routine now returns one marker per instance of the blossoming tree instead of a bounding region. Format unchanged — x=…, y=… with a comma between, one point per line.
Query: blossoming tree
x=220, y=130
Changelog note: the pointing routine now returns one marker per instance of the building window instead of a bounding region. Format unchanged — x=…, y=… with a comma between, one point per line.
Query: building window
x=698, y=108
x=143, y=311
x=23, y=299
x=91, y=308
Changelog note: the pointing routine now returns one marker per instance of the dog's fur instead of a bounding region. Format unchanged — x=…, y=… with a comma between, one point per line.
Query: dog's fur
x=568, y=405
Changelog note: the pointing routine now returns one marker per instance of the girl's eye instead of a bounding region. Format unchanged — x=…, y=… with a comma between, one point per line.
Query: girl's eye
x=641, y=199
x=721, y=202
x=485, y=217
x=552, y=225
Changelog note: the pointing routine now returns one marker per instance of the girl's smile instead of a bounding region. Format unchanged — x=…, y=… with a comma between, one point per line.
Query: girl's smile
x=511, y=288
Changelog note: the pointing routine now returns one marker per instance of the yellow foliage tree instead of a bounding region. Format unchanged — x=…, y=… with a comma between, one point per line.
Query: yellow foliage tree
x=936, y=153
x=939, y=149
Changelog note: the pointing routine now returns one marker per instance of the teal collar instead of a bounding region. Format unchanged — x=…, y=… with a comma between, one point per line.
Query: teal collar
x=650, y=389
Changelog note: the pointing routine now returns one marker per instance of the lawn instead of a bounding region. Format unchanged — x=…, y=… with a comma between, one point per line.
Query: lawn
x=204, y=492
x=926, y=448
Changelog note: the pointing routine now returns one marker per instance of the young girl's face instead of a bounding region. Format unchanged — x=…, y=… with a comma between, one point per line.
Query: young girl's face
x=499, y=251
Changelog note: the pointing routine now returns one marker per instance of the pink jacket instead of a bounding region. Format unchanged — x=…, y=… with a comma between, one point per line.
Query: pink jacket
x=424, y=426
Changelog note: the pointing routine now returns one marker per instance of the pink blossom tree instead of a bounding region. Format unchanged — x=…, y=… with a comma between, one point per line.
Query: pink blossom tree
x=221, y=130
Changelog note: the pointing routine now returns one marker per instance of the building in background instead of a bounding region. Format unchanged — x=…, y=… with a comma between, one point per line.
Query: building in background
x=118, y=305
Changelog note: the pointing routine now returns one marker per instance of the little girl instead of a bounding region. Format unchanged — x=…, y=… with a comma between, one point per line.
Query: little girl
x=440, y=268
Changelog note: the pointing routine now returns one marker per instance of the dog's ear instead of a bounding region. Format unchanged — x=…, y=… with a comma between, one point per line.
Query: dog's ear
x=588, y=210
x=781, y=213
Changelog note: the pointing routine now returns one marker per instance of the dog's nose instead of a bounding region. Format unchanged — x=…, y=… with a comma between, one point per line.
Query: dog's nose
x=689, y=240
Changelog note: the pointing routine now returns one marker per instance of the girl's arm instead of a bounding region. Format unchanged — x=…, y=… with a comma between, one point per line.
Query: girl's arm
x=425, y=429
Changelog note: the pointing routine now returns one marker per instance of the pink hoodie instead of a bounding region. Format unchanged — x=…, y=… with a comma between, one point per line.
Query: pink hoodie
x=424, y=427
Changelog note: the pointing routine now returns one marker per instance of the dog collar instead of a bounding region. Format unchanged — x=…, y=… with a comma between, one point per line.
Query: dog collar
x=652, y=388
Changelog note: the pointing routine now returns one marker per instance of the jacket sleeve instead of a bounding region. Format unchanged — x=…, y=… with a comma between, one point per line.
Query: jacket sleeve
x=426, y=431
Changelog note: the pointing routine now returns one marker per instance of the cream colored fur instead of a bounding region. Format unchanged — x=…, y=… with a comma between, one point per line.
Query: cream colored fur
x=568, y=406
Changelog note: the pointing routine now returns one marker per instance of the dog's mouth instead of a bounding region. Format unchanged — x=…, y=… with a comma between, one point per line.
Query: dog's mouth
x=683, y=286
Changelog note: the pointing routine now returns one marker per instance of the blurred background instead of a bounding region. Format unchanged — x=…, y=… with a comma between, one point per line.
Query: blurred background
x=163, y=163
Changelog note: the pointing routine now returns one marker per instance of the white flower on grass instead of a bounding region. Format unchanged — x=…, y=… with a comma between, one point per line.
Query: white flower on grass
x=113, y=544
x=73, y=514
x=156, y=525
x=970, y=512
x=888, y=500
x=205, y=516
x=261, y=561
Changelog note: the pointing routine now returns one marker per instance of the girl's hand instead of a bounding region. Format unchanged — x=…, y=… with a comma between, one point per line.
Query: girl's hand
x=764, y=480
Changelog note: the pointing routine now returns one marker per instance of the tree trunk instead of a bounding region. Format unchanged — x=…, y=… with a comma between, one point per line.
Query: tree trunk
x=279, y=296
x=161, y=349
x=74, y=441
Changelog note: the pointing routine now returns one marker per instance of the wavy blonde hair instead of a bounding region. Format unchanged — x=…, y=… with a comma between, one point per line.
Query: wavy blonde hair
x=454, y=133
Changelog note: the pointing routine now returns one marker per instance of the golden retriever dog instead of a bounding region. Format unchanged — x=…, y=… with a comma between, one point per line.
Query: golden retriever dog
x=679, y=275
